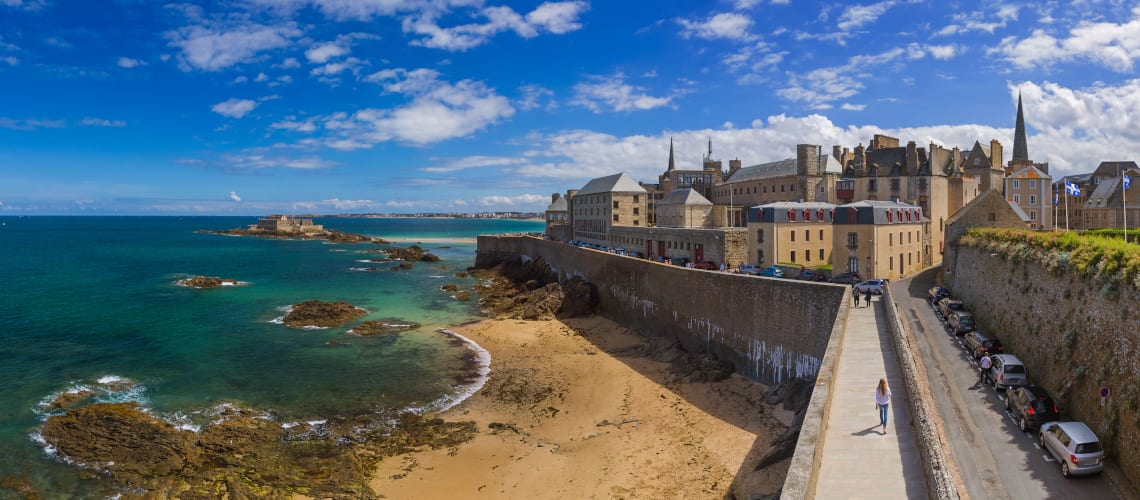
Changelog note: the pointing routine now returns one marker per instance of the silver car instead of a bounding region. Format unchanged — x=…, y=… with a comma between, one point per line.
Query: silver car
x=1075, y=446
x=1006, y=371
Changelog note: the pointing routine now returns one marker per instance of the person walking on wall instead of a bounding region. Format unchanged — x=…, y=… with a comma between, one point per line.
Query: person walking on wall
x=855, y=295
x=984, y=367
x=867, y=297
x=883, y=402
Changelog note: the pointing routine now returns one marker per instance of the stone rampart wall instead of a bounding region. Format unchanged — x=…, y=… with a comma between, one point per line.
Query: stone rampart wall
x=1073, y=335
x=770, y=329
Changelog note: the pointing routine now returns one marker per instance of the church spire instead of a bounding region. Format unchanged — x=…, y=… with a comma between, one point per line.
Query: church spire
x=671, y=165
x=1020, y=150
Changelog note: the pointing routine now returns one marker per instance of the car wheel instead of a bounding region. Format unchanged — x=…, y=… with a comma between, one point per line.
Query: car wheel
x=1065, y=469
x=1024, y=424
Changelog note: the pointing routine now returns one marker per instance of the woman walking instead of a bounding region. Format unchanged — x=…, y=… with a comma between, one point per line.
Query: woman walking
x=883, y=402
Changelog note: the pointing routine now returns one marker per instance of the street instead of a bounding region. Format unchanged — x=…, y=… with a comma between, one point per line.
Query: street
x=995, y=458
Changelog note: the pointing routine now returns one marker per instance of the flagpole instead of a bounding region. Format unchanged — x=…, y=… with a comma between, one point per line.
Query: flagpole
x=1066, y=206
x=1124, y=196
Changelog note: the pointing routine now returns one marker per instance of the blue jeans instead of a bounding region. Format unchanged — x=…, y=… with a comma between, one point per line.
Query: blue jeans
x=883, y=414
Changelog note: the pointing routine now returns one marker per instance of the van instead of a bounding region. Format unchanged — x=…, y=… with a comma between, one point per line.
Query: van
x=1007, y=371
x=961, y=322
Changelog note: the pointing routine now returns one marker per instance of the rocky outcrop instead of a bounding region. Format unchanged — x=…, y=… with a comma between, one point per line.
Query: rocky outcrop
x=208, y=282
x=385, y=327
x=69, y=399
x=450, y=287
x=463, y=295
x=531, y=292
x=322, y=314
x=411, y=253
x=330, y=235
x=242, y=454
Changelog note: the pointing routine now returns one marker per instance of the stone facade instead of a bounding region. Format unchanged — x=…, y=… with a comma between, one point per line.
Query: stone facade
x=286, y=224
x=684, y=208
x=878, y=239
x=603, y=203
x=791, y=233
x=1074, y=335
x=558, y=218
x=988, y=210
x=716, y=245
x=1031, y=190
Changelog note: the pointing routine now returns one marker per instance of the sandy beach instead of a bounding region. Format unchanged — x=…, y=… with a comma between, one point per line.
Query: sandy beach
x=577, y=409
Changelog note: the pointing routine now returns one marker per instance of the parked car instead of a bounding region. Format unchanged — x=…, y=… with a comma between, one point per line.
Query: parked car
x=1075, y=446
x=980, y=344
x=809, y=275
x=772, y=272
x=961, y=322
x=679, y=261
x=948, y=305
x=935, y=294
x=874, y=286
x=846, y=278
x=704, y=264
x=1031, y=406
x=1007, y=371
x=750, y=269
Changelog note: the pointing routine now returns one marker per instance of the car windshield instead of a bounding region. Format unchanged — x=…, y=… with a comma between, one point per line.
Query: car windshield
x=1043, y=406
x=966, y=321
x=1014, y=369
x=957, y=306
x=1092, y=447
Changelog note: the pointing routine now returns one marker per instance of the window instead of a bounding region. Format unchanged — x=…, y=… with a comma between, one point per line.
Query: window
x=615, y=204
x=781, y=188
x=1032, y=183
x=636, y=222
x=821, y=254
x=873, y=185
x=1032, y=199
x=853, y=240
x=807, y=235
x=908, y=235
x=793, y=255
x=891, y=262
x=993, y=217
x=760, y=236
x=807, y=255
x=791, y=215
x=1016, y=184
x=891, y=239
x=635, y=198
x=853, y=264
x=1032, y=215
x=791, y=187
x=820, y=235
x=894, y=184
x=793, y=235
x=615, y=217
x=1017, y=199
x=636, y=210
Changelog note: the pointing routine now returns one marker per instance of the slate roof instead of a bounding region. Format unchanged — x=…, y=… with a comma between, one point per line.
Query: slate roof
x=1030, y=172
x=616, y=183
x=558, y=205
x=685, y=197
x=780, y=168
x=875, y=212
x=778, y=211
x=1104, y=193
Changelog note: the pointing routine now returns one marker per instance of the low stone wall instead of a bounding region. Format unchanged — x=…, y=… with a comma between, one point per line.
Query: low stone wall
x=771, y=330
x=941, y=473
x=1074, y=336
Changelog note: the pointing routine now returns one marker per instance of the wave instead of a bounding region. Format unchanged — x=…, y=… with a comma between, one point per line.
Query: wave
x=105, y=389
x=482, y=367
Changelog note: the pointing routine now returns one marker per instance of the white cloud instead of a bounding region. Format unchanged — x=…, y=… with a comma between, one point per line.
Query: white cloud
x=350, y=64
x=821, y=86
x=340, y=204
x=612, y=93
x=308, y=125
x=438, y=111
x=10, y=60
x=213, y=48
x=234, y=108
x=30, y=124
x=551, y=17
x=257, y=161
x=234, y=196
x=531, y=97
x=289, y=63
x=101, y=122
x=321, y=53
x=728, y=125
x=1114, y=46
x=942, y=51
x=746, y=4
x=855, y=16
x=853, y=107
x=126, y=62
x=726, y=25
x=522, y=199
x=471, y=162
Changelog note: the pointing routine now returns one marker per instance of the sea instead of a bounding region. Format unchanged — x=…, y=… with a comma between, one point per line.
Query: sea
x=91, y=303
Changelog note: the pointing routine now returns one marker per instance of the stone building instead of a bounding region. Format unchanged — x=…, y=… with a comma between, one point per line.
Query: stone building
x=684, y=208
x=286, y=224
x=990, y=209
x=603, y=203
x=1073, y=210
x=1031, y=190
x=1105, y=205
x=878, y=239
x=716, y=245
x=810, y=176
x=558, y=218
x=798, y=233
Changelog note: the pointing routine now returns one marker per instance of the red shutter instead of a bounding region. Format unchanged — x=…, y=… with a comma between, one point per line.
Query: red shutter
x=791, y=215
x=807, y=215
x=889, y=218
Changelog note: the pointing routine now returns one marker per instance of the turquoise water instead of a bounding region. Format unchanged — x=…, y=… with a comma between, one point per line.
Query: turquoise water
x=93, y=297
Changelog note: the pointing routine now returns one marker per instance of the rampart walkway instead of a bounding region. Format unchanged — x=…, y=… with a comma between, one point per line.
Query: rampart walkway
x=859, y=460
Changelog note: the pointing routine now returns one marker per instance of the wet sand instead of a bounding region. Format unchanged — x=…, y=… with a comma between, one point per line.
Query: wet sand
x=575, y=409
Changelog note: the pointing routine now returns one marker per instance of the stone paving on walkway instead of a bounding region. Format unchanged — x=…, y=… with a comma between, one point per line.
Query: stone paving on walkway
x=859, y=459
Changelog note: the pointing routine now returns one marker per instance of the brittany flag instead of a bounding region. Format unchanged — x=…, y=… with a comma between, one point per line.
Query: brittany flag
x=1056, y=195
x=1072, y=188
x=1127, y=182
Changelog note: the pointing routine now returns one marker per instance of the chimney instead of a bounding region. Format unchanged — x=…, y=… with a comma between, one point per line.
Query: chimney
x=733, y=166
x=554, y=197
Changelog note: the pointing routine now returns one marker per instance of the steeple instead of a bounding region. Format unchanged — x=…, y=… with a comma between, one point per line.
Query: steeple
x=671, y=165
x=1020, y=150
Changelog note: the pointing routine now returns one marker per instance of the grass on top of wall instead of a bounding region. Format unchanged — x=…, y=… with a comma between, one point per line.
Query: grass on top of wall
x=1101, y=257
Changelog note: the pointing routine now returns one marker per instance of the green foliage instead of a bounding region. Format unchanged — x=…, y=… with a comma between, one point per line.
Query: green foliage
x=1100, y=255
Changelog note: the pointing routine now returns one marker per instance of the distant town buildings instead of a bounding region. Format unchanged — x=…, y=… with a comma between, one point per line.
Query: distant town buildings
x=880, y=210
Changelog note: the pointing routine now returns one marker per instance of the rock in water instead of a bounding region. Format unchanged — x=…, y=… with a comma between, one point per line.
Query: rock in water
x=385, y=327
x=323, y=314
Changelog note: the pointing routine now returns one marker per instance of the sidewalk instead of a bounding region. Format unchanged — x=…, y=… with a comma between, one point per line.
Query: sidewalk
x=858, y=460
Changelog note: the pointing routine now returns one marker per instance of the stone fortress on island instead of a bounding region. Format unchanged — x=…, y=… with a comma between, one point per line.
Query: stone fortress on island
x=286, y=224
x=879, y=210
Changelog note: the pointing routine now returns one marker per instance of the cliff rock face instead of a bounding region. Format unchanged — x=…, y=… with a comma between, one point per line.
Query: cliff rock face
x=323, y=314
x=530, y=291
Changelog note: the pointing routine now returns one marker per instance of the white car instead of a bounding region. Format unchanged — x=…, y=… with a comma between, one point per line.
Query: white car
x=874, y=286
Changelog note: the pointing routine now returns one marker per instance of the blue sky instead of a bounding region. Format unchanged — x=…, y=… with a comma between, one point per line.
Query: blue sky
x=341, y=106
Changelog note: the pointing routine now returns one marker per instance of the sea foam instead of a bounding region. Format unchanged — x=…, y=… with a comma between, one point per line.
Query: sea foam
x=462, y=392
